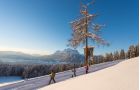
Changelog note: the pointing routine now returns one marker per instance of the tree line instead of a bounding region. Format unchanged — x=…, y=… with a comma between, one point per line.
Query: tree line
x=133, y=51
x=30, y=71
x=35, y=70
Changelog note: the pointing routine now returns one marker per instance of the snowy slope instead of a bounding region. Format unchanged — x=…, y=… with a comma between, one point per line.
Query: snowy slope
x=122, y=76
x=38, y=82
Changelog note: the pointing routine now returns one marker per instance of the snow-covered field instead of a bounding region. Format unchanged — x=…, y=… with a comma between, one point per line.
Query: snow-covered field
x=9, y=80
x=122, y=76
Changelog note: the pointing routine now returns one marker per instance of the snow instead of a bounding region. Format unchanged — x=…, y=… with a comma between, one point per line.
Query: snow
x=122, y=76
x=9, y=80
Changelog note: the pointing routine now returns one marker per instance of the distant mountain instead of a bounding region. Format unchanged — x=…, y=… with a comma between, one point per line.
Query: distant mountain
x=16, y=55
x=67, y=55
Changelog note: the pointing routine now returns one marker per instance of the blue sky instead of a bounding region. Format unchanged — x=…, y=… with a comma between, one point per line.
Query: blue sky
x=43, y=26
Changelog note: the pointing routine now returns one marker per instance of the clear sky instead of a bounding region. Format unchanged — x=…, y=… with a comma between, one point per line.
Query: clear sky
x=43, y=26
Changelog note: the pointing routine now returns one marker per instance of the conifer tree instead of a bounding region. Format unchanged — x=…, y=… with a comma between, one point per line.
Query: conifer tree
x=137, y=50
x=122, y=54
x=116, y=55
x=131, y=52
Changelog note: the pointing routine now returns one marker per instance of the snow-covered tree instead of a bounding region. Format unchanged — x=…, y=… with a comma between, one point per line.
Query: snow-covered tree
x=122, y=54
x=84, y=30
x=116, y=55
x=131, y=52
x=108, y=57
x=137, y=50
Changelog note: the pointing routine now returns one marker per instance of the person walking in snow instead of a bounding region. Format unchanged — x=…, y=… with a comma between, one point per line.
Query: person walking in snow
x=87, y=68
x=74, y=71
x=52, y=76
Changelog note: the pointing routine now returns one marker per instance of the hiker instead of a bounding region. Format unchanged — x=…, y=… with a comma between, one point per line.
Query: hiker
x=74, y=71
x=52, y=76
x=87, y=68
